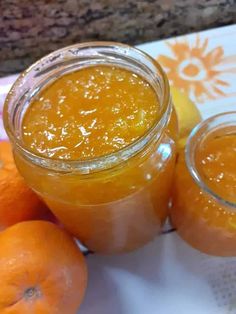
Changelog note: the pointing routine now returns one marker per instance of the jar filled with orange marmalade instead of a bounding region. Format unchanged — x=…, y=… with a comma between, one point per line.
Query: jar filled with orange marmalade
x=93, y=133
x=204, y=193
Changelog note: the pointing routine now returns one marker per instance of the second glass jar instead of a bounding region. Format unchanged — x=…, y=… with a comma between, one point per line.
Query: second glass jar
x=204, y=207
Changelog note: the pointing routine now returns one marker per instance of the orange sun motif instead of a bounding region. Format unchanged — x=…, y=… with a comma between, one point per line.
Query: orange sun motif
x=194, y=69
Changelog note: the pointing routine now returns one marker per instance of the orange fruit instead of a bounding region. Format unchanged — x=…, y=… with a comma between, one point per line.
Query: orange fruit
x=42, y=270
x=187, y=113
x=17, y=201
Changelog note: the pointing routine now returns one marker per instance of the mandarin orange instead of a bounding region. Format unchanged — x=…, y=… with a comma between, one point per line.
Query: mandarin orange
x=42, y=270
x=17, y=201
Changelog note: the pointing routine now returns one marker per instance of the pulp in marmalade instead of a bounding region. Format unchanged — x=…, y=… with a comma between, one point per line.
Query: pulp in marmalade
x=208, y=223
x=91, y=113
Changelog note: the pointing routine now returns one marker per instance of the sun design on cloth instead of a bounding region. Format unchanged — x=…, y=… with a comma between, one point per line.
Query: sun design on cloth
x=195, y=69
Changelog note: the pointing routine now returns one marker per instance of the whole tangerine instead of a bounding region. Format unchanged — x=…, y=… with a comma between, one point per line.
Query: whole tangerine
x=17, y=201
x=42, y=270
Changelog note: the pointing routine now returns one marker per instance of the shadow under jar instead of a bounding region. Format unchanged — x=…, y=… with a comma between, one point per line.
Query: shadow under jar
x=204, y=192
x=114, y=202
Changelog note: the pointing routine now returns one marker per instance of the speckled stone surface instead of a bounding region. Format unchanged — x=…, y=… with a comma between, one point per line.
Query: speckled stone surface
x=30, y=29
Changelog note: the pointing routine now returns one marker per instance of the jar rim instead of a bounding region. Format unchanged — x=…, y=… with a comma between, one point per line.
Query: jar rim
x=194, y=139
x=98, y=162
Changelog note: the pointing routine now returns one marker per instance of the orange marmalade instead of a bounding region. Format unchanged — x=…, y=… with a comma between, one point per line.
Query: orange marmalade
x=90, y=113
x=216, y=161
x=97, y=143
x=204, y=209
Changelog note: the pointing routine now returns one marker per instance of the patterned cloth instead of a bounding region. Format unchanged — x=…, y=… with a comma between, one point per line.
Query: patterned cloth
x=167, y=276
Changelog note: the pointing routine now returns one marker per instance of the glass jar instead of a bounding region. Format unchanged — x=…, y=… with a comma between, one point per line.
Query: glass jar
x=115, y=203
x=204, y=211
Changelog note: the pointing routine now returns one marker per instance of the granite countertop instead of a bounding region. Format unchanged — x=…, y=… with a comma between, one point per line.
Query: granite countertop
x=30, y=29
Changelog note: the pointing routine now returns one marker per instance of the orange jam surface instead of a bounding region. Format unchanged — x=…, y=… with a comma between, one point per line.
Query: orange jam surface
x=206, y=223
x=216, y=163
x=89, y=113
